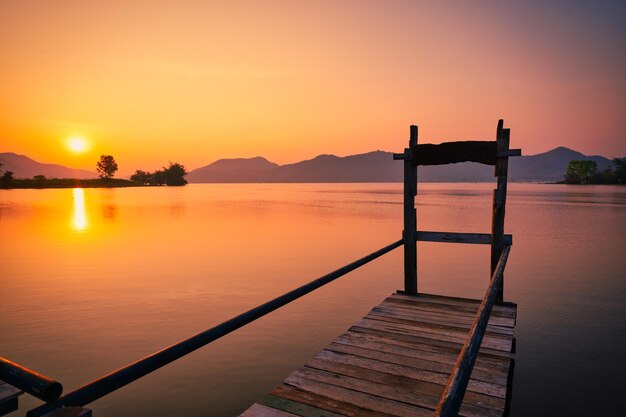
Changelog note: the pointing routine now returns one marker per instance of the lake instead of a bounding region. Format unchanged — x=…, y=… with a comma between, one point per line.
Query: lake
x=94, y=279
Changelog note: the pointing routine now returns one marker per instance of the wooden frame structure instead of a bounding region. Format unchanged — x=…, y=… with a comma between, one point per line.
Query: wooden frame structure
x=495, y=153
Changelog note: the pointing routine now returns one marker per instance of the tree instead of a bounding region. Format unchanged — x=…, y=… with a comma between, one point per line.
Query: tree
x=140, y=177
x=106, y=167
x=6, y=178
x=175, y=174
x=620, y=170
x=579, y=171
x=157, y=178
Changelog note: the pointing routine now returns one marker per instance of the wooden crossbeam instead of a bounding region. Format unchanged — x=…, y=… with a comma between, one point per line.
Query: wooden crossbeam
x=453, y=237
x=484, y=152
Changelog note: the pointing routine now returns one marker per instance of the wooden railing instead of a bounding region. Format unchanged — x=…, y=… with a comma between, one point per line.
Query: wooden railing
x=124, y=376
x=452, y=397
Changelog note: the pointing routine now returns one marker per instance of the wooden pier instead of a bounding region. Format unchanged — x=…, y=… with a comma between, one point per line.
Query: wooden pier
x=413, y=355
x=396, y=361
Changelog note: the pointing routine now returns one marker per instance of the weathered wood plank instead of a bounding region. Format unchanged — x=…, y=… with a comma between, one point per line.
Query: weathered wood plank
x=439, y=334
x=483, y=152
x=290, y=406
x=436, y=311
x=343, y=408
x=503, y=310
x=426, y=340
x=398, y=393
x=8, y=392
x=497, y=376
x=425, y=321
x=414, y=350
x=457, y=322
x=364, y=400
x=260, y=410
x=453, y=237
x=8, y=398
x=450, y=308
x=388, y=364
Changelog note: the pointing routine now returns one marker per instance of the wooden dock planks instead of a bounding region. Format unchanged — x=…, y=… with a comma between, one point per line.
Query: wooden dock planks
x=8, y=398
x=396, y=360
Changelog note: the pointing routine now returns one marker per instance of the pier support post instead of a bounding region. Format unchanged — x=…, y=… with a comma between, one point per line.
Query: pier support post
x=499, y=200
x=410, y=215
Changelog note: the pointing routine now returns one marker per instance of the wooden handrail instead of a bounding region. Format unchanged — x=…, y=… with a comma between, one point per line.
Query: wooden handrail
x=129, y=373
x=32, y=382
x=452, y=397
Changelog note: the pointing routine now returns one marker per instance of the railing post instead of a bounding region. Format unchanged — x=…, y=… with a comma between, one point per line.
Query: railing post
x=499, y=201
x=410, y=215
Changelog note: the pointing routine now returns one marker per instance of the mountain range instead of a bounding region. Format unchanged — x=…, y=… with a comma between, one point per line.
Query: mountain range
x=377, y=166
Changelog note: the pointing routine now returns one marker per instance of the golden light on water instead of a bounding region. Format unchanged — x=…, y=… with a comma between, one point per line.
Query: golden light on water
x=79, y=219
x=77, y=144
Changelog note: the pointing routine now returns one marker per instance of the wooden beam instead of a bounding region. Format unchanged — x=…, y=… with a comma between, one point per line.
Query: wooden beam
x=453, y=237
x=410, y=216
x=499, y=200
x=453, y=152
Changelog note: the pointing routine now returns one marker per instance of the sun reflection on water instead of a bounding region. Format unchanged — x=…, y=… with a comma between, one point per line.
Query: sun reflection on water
x=79, y=219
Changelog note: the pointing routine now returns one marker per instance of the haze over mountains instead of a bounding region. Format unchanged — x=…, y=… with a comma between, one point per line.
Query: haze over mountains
x=377, y=166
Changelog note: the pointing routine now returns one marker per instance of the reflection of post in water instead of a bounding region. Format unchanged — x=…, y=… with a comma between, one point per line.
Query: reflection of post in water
x=80, y=215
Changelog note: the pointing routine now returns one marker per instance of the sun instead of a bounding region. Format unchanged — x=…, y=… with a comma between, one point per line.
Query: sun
x=77, y=144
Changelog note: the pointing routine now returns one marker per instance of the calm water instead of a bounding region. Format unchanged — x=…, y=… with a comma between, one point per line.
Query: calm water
x=94, y=279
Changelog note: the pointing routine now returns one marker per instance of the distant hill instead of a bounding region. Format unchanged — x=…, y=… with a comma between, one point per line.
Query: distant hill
x=25, y=167
x=379, y=166
x=233, y=170
x=549, y=166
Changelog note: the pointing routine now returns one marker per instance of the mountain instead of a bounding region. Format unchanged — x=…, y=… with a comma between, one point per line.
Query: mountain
x=379, y=166
x=25, y=167
x=549, y=166
x=233, y=170
x=367, y=167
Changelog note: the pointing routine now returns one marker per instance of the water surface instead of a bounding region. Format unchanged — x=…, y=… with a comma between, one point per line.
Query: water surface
x=94, y=279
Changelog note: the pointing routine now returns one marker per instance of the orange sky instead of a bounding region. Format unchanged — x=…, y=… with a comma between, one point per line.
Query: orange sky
x=192, y=81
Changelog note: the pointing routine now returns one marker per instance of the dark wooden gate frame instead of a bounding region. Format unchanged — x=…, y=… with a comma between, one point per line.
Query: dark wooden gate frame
x=495, y=153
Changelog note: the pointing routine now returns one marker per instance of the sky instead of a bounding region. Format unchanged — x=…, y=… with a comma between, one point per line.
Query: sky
x=194, y=81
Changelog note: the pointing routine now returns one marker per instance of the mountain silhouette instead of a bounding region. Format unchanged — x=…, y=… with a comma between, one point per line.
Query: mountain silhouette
x=233, y=170
x=25, y=167
x=379, y=166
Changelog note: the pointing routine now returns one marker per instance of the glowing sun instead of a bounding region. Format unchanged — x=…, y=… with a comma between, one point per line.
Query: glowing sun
x=77, y=144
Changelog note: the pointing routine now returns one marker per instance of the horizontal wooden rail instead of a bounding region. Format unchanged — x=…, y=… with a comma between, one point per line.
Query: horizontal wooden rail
x=483, y=152
x=29, y=381
x=115, y=380
x=453, y=393
x=453, y=237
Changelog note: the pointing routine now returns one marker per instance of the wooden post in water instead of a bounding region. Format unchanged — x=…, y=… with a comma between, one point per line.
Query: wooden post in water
x=410, y=215
x=499, y=200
